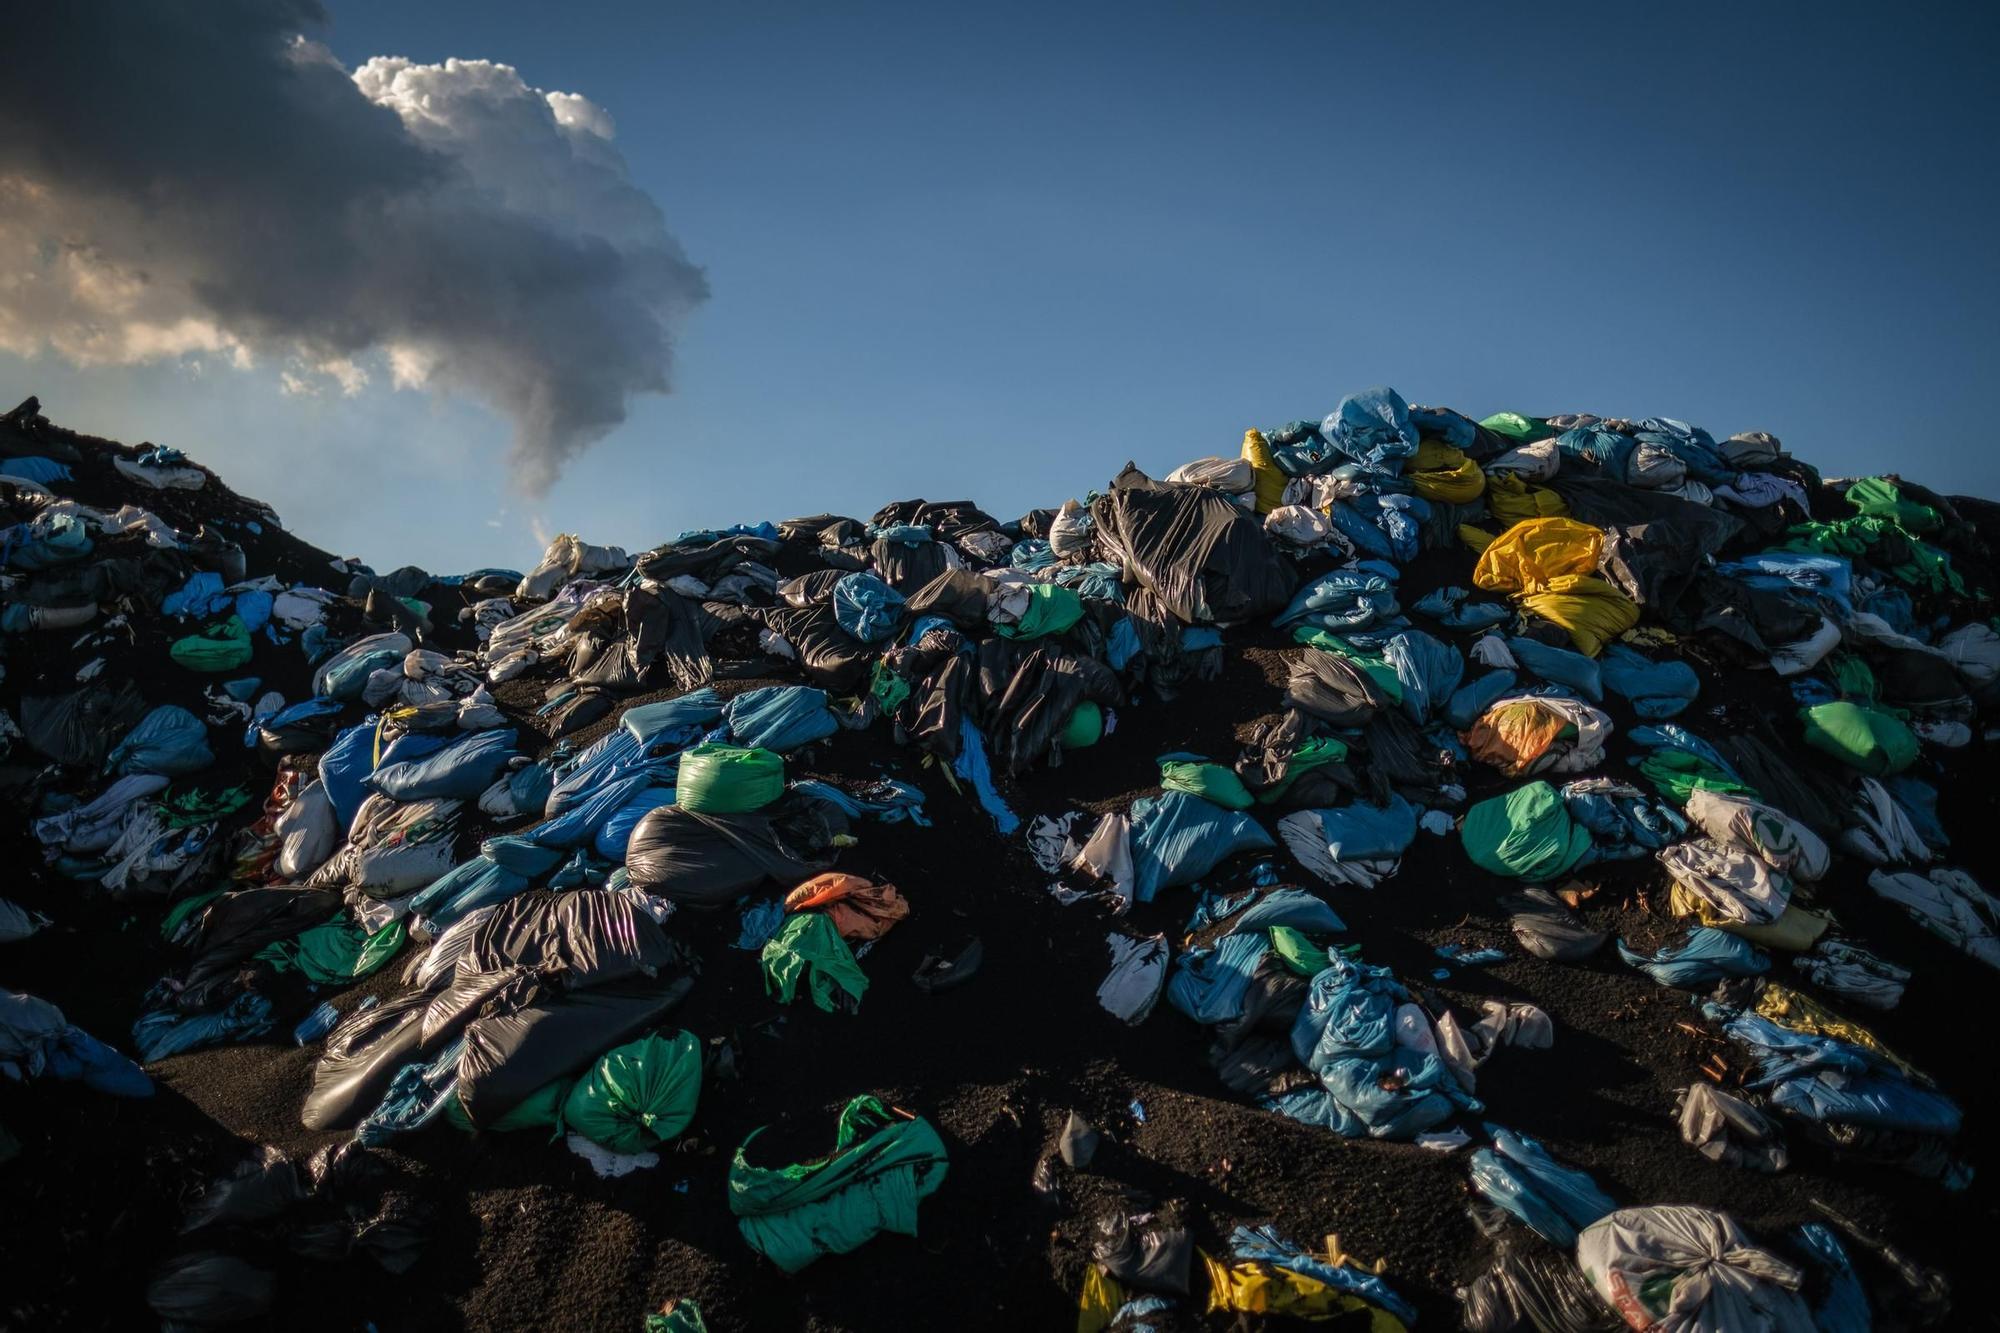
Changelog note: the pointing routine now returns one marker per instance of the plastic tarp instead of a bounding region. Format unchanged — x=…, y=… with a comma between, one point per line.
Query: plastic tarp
x=883, y=1164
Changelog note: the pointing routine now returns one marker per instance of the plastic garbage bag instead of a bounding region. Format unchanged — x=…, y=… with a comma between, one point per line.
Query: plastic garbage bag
x=1548, y=929
x=199, y=1290
x=1705, y=956
x=1865, y=738
x=867, y=608
x=1372, y=427
x=1690, y=1270
x=1138, y=974
x=780, y=718
x=1521, y=1178
x=222, y=646
x=1198, y=777
x=1535, y=1285
x=169, y=740
x=1729, y=1130
x=1948, y=903
x=639, y=1095
x=1656, y=690
x=1177, y=838
x=808, y=949
x=883, y=1164
x=1550, y=564
x=1525, y=834
x=728, y=779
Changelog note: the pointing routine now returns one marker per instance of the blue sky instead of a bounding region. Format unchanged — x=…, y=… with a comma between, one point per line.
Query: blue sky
x=994, y=255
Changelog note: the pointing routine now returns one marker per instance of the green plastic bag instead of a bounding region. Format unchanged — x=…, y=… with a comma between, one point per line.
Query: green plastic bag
x=339, y=950
x=542, y=1110
x=1198, y=777
x=223, y=646
x=1675, y=773
x=1879, y=497
x=184, y=909
x=728, y=779
x=1298, y=953
x=1315, y=753
x=1374, y=665
x=808, y=948
x=1084, y=727
x=678, y=1317
x=1865, y=738
x=639, y=1095
x=1520, y=429
x=1526, y=834
x=882, y=1166
x=1051, y=610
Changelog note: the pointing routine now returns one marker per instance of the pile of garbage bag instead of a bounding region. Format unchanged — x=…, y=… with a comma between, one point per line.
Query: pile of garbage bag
x=542, y=804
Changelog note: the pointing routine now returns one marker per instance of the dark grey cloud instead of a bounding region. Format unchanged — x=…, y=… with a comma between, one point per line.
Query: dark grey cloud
x=199, y=176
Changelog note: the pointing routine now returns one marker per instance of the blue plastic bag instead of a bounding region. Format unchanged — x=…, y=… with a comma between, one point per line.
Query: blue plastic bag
x=1177, y=838
x=867, y=608
x=169, y=741
x=780, y=717
x=1706, y=955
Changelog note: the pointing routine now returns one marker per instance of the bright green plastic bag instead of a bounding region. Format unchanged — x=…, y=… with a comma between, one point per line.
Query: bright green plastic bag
x=722, y=779
x=808, y=948
x=1865, y=738
x=223, y=646
x=882, y=1165
x=639, y=1095
x=1211, y=782
x=1526, y=834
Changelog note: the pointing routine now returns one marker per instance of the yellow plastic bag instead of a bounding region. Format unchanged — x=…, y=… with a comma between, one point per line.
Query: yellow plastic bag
x=1257, y=1288
x=1550, y=564
x=1802, y=1013
x=1794, y=931
x=1270, y=481
x=1513, y=500
x=1102, y=1295
x=1441, y=472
